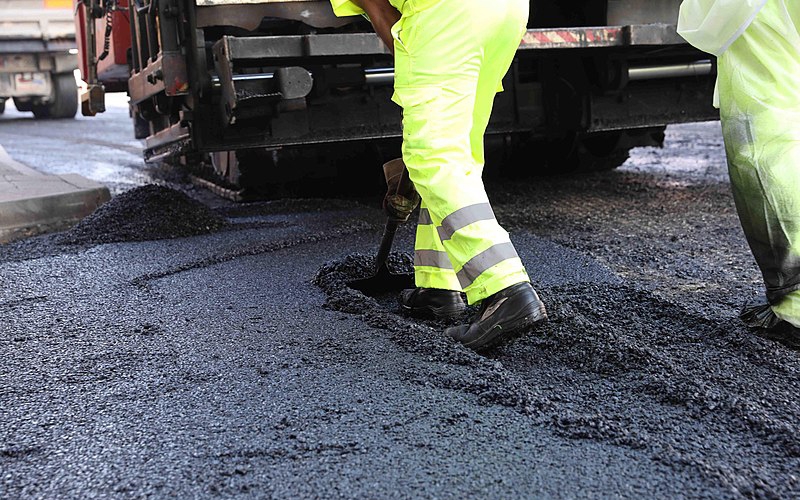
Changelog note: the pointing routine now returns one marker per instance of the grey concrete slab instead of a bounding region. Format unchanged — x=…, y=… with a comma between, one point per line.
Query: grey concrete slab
x=32, y=202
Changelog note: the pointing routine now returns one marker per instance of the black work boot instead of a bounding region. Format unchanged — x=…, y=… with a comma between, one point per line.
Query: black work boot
x=759, y=317
x=432, y=302
x=502, y=316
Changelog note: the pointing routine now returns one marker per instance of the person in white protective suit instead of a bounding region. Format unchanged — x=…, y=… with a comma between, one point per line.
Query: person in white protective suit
x=757, y=43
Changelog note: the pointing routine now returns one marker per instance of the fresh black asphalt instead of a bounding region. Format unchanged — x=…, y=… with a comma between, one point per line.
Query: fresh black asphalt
x=236, y=364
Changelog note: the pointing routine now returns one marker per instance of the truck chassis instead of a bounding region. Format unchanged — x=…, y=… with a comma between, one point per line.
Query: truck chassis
x=219, y=77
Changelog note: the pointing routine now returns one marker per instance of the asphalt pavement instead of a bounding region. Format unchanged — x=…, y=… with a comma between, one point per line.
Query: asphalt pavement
x=34, y=202
x=101, y=148
x=235, y=363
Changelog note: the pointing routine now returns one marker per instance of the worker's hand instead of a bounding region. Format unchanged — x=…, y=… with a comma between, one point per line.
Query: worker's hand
x=383, y=16
x=401, y=197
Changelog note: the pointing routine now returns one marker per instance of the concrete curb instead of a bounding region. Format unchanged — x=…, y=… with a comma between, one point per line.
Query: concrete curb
x=32, y=202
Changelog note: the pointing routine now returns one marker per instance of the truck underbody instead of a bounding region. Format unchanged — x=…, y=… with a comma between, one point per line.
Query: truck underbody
x=248, y=79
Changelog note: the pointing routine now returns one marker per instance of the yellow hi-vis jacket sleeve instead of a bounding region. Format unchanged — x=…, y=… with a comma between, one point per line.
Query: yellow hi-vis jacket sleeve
x=713, y=25
x=343, y=8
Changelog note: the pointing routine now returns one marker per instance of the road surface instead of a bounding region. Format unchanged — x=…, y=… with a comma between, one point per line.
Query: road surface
x=233, y=362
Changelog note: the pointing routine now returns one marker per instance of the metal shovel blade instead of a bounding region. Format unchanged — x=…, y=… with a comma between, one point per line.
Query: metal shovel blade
x=382, y=280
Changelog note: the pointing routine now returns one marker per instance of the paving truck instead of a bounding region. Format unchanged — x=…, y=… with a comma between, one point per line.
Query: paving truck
x=38, y=57
x=249, y=83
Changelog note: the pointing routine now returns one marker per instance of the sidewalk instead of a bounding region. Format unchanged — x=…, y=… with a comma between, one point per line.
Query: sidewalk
x=32, y=202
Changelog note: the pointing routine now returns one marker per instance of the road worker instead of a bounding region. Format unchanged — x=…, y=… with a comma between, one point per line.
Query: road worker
x=450, y=57
x=757, y=43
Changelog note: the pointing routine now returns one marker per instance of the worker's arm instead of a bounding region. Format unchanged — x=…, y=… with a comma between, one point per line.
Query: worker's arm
x=383, y=16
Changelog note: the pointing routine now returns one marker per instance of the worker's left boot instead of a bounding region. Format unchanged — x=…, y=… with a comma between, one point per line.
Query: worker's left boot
x=502, y=317
x=432, y=303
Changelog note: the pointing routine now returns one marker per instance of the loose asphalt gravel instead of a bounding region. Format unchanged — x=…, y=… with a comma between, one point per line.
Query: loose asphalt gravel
x=147, y=213
x=236, y=362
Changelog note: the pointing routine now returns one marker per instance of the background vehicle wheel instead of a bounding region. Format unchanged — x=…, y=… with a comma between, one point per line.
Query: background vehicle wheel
x=578, y=152
x=2, y=106
x=63, y=100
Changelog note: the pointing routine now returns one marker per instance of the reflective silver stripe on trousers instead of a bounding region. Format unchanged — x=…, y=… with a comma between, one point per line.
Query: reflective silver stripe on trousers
x=463, y=217
x=432, y=258
x=424, y=217
x=484, y=261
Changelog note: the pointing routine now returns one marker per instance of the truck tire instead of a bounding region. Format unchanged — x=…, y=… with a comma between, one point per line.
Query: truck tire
x=578, y=152
x=609, y=150
x=2, y=106
x=63, y=101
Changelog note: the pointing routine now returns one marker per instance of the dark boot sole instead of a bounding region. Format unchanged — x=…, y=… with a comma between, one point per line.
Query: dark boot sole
x=499, y=335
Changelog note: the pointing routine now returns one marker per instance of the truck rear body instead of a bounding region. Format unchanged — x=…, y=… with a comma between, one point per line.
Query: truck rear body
x=220, y=76
x=38, y=57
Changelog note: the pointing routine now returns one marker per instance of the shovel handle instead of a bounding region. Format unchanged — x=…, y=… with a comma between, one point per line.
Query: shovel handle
x=386, y=244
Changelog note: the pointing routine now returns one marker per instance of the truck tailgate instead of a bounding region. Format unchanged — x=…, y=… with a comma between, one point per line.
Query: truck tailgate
x=36, y=23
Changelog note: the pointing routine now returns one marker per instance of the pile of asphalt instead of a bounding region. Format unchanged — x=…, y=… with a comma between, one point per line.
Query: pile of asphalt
x=621, y=366
x=484, y=378
x=334, y=278
x=149, y=212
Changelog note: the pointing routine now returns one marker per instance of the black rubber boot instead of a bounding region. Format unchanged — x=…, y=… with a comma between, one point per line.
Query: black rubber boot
x=759, y=317
x=432, y=303
x=502, y=317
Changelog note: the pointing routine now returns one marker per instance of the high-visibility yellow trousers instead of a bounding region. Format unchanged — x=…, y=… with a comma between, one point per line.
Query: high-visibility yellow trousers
x=759, y=91
x=450, y=59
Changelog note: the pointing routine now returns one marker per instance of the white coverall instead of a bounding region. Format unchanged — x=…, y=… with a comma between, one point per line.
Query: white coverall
x=757, y=43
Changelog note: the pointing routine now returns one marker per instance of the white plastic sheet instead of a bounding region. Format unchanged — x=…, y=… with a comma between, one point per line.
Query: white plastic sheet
x=713, y=25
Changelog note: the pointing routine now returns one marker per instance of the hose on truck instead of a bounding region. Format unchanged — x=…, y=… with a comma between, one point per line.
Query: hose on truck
x=109, y=7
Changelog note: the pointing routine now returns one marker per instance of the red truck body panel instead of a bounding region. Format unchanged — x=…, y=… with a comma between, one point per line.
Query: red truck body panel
x=113, y=71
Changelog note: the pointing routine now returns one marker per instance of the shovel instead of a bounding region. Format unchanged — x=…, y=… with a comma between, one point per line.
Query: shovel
x=382, y=280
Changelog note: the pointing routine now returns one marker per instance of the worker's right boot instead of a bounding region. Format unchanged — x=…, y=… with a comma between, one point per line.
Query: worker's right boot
x=502, y=317
x=432, y=303
x=759, y=317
